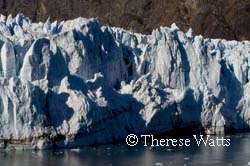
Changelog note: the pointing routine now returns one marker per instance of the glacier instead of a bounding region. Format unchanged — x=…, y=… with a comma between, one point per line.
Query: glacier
x=76, y=83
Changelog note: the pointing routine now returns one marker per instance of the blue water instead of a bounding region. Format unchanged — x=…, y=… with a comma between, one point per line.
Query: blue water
x=237, y=154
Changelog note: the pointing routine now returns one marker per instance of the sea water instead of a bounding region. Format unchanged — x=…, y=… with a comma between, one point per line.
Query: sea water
x=238, y=154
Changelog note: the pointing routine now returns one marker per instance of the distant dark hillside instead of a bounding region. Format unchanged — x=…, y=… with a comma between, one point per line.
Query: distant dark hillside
x=228, y=19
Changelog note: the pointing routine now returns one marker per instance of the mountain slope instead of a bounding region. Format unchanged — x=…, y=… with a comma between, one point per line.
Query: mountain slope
x=212, y=18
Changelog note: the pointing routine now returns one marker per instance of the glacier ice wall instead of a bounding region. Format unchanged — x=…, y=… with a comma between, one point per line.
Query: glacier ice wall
x=74, y=83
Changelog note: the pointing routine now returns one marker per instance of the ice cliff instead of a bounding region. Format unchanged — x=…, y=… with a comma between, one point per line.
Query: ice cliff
x=74, y=83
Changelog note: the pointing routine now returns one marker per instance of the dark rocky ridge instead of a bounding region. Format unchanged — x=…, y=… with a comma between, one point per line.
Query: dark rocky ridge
x=229, y=19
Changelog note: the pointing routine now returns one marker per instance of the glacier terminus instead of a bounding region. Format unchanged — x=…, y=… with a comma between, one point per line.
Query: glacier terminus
x=75, y=83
